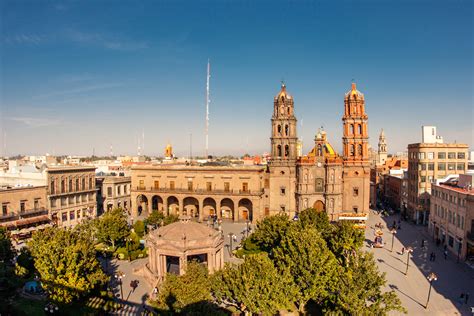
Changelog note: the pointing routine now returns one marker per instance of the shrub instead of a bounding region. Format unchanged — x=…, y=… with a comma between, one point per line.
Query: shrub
x=139, y=228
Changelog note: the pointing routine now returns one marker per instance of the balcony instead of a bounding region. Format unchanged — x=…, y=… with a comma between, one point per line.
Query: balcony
x=20, y=215
x=199, y=191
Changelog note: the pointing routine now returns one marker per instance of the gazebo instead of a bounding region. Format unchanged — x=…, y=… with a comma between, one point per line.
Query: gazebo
x=172, y=246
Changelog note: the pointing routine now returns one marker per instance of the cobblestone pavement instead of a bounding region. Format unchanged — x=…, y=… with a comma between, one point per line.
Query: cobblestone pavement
x=453, y=278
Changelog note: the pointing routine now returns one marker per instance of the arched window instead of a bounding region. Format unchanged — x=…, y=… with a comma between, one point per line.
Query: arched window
x=352, y=150
x=279, y=150
x=351, y=129
x=288, y=110
x=359, y=129
x=320, y=150
x=279, y=129
x=282, y=99
x=359, y=149
x=287, y=150
x=286, y=130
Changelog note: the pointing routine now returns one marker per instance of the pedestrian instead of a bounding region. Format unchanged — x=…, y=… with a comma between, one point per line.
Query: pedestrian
x=422, y=243
x=434, y=257
x=461, y=299
x=466, y=298
x=394, y=225
x=431, y=256
x=403, y=250
x=445, y=254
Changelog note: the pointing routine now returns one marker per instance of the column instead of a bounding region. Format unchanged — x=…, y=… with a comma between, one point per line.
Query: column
x=218, y=209
x=180, y=207
x=201, y=206
x=165, y=207
x=236, y=211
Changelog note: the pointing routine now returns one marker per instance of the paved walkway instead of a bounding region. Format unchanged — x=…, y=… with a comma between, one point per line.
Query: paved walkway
x=453, y=278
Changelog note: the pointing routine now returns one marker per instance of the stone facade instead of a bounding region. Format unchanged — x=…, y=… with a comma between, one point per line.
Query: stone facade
x=71, y=194
x=290, y=183
x=116, y=192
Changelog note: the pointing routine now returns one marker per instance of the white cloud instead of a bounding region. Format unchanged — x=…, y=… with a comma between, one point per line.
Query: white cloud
x=35, y=122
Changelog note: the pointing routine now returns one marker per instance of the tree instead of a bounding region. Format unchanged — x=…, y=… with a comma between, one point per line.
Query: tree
x=345, y=240
x=66, y=262
x=176, y=292
x=112, y=227
x=139, y=228
x=6, y=249
x=311, y=264
x=255, y=286
x=154, y=218
x=170, y=219
x=270, y=231
x=359, y=290
x=319, y=220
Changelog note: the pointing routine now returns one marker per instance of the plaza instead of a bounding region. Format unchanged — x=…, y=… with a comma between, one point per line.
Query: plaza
x=452, y=278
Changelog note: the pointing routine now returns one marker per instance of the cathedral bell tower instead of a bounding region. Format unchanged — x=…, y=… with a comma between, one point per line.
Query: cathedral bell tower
x=355, y=142
x=382, y=149
x=284, y=153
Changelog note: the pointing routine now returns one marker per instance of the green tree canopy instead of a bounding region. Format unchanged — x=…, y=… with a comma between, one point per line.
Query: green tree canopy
x=139, y=228
x=255, y=286
x=66, y=262
x=155, y=218
x=311, y=264
x=6, y=249
x=359, y=290
x=270, y=231
x=177, y=292
x=112, y=227
x=318, y=220
x=345, y=240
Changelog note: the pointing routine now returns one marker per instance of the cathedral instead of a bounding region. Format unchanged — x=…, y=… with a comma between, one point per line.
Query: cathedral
x=338, y=184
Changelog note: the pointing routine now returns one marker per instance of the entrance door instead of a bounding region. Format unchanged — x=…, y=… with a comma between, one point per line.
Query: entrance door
x=319, y=206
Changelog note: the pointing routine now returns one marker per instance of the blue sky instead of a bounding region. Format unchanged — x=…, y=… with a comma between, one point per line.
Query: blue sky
x=82, y=75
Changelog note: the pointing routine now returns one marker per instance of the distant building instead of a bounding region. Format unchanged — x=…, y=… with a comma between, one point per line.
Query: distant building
x=452, y=215
x=115, y=193
x=427, y=162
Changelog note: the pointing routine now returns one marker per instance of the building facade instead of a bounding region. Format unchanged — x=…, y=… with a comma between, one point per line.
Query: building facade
x=428, y=162
x=288, y=184
x=115, y=193
x=71, y=194
x=452, y=216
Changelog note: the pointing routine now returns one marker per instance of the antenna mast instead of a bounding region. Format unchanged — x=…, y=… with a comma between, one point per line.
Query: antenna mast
x=207, y=107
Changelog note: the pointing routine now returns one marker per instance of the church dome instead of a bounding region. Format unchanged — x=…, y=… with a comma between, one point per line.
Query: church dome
x=354, y=93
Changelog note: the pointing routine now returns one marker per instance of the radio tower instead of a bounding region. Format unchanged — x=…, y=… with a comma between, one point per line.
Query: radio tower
x=111, y=151
x=207, y=107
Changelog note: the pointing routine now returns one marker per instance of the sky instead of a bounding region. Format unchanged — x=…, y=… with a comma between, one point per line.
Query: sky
x=77, y=77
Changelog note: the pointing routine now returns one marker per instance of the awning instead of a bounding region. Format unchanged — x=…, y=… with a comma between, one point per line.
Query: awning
x=32, y=220
x=353, y=217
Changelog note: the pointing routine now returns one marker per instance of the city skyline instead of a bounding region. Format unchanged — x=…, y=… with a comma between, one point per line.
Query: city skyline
x=75, y=77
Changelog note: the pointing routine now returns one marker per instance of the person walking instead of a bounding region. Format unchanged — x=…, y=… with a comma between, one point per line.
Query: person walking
x=466, y=298
x=422, y=243
x=434, y=257
x=403, y=250
x=445, y=254
x=461, y=299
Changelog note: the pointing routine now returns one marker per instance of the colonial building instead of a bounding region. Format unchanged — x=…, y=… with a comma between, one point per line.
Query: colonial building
x=115, y=193
x=289, y=183
x=71, y=194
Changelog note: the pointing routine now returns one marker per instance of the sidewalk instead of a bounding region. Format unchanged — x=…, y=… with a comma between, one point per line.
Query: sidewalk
x=453, y=278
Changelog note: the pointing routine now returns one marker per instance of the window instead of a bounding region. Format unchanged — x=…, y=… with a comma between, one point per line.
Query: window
x=282, y=209
x=359, y=129
x=52, y=187
x=282, y=191
x=351, y=129
x=266, y=183
x=119, y=190
x=4, y=209
x=287, y=151
x=441, y=166
x=90, y=183
x=77, y=185
x=63, y=186
x=431, y=155
x=279, y=150
x=451, y=241
x=355, y=209
x=451, y=155
x=72, y=215
x=352, y=150
x=141, y=185
x=421, y=155
x=209, y=186
x=36, y=204
x=423, y=179
x=245, y=187
x=461, y=155
x=53, y=202
x=355, y=191
x=286, y=130
x=359, y=150
x=190, y=185
x=267, y=211
x=460, y=166
x=422, y=166
x=319, y=185
x=64, y=216
x=83, y=184
x=70, y=185
x=458, y=220
x=22, y=206
x=431, y=166
x=441, y=155
x=451, y=166
x=156, y=185
x=172, y=185
x=109, y=191
x=227, y=186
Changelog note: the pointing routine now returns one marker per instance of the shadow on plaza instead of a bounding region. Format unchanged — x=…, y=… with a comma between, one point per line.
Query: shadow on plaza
x=420, y=257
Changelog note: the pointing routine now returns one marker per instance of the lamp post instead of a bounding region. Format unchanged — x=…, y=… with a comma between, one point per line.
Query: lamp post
x=431, y=277
x=119, y=276
x=128, y=248
x=409, y=250
x=248, y=226
x=231, y=238
x=393, y=231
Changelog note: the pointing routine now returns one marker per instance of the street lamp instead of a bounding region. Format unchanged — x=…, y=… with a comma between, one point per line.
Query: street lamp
x=431, y=277
x=409, y=250
x=231, y=238
x=119, y=276
x=393, y=231
x=248, y=226
x=128, y=248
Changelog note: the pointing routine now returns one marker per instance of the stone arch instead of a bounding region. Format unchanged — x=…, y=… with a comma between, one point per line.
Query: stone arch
x=173, y=205
x=209, y=207
x=157, y=203
x=110, y=206
x=142, y=204
x=245, y=208
x=319, y=206
x=227, y=209
x=191, y=206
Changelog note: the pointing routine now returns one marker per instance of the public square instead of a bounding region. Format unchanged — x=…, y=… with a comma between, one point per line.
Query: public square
x=452, y=278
